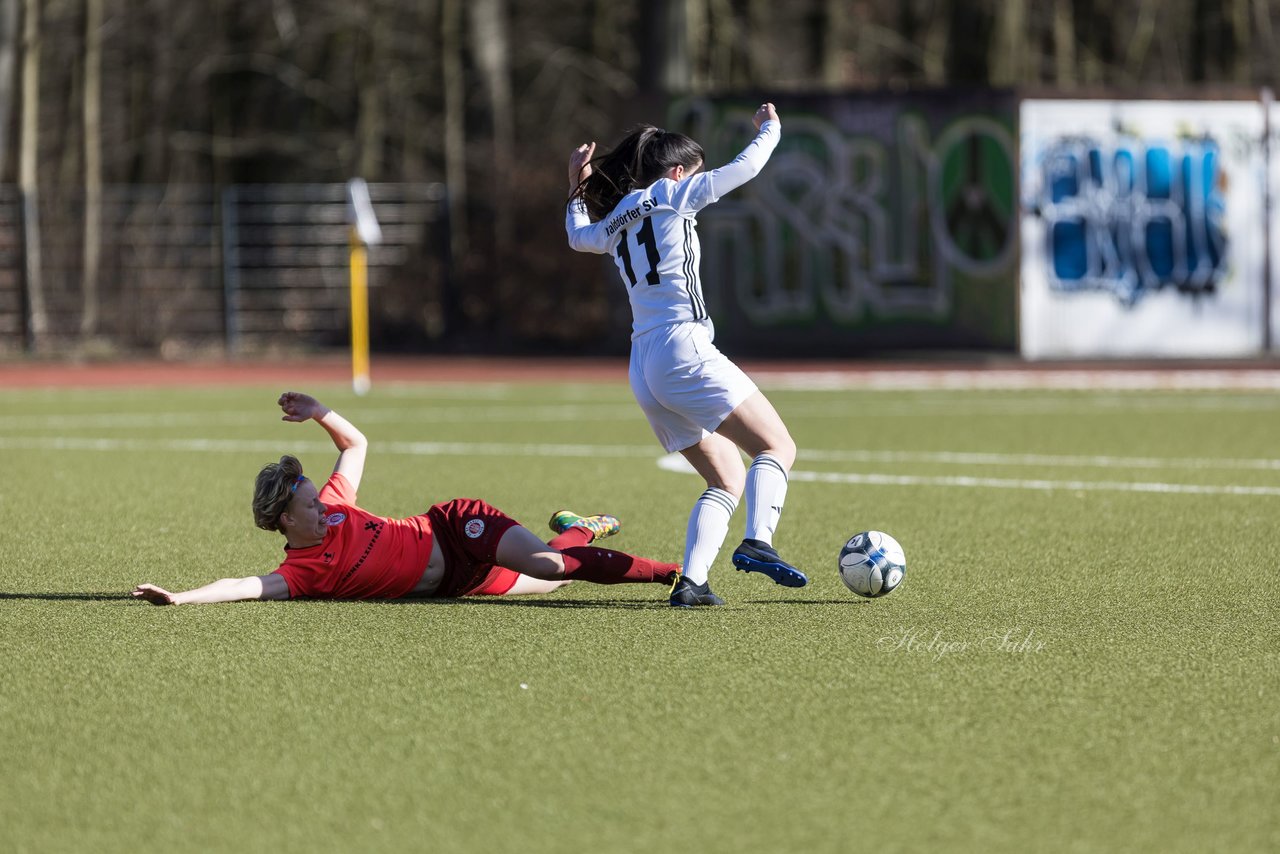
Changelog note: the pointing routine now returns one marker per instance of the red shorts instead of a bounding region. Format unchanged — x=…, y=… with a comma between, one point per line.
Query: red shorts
x=468, y=531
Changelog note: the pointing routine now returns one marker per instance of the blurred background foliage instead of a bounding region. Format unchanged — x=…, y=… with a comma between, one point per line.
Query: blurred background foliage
x=488, y=96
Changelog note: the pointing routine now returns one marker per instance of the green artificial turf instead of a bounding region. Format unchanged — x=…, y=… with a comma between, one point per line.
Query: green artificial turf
x=1066, y=667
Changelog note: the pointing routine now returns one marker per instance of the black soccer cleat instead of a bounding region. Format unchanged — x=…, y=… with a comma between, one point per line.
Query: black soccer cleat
x=686, y=594
x=759, y=556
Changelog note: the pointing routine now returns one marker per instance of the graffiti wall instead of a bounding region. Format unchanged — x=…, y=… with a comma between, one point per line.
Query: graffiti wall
x=880, y=223
x=1142, y=229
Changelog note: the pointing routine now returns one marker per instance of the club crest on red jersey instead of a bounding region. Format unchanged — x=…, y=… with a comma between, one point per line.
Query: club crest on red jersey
x=335, y=519
x=474, y=528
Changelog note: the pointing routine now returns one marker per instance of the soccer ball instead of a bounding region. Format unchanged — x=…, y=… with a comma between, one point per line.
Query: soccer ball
x=872, y=564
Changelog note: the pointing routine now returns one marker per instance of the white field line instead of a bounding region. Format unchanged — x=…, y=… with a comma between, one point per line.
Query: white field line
x=1053, y=460
x=1039, y=485
x=428, y=414
x=857, y=376
x=954, y=407
x=670, y=462
x=416, y=449
x=1047, y=378
x=677, y=463
x=622, y=410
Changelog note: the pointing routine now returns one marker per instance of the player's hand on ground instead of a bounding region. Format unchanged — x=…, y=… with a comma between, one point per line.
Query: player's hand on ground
x=580, y=163
x=765, y=113
x=153, y=594
x=300, y=407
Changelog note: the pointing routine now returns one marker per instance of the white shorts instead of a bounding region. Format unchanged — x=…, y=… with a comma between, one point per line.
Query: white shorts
x=685, y=385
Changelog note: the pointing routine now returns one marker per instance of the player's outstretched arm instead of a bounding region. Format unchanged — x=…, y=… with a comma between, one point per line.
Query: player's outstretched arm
x=351, y=444
x=748, y=164
x=271, y=586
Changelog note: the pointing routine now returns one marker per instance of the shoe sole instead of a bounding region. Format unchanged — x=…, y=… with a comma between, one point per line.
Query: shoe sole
x=698, y=605
x=781, y=574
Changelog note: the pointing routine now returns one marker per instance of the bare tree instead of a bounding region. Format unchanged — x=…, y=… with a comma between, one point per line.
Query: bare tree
x=723, y=43
x=371, y=115
x=1064, y=44
x=935, y=42
x=28, y=170
x=455, y=132
x=758, y=63
x=831, y=17
x=664, y=33
x=9, y=34
x=1242, y=35
x=492, y=48
x=1010, y=48
x=1266, y=38
x=92, y=108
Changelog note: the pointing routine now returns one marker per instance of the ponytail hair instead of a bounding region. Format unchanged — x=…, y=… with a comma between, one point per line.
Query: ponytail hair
x=644, y=155
x=273, y=490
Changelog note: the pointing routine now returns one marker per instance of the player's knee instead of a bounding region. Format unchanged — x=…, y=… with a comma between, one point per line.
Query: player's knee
x=546, y=565
x=732, y=482
x=555, y=566
x=784, y=451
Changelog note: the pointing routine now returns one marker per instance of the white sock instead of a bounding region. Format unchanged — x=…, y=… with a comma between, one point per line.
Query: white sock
x=765, y=493
x=708, y=526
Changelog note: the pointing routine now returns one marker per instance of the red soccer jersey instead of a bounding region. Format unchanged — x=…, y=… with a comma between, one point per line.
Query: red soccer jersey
x=362, y=556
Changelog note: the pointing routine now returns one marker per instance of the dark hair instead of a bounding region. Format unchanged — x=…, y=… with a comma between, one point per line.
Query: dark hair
x=273, y=490
x=644, y=155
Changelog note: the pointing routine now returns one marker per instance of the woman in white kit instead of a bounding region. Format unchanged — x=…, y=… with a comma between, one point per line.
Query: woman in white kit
x=639, y=203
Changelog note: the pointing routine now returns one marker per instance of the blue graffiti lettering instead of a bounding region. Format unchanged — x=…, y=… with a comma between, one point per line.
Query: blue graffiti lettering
x=1132, y=219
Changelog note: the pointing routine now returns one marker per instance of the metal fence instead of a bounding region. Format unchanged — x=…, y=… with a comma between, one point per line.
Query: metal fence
x=12, y=304
x=182, y=268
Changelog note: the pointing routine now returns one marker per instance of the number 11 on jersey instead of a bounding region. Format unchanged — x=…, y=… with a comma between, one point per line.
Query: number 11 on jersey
x=646, y=238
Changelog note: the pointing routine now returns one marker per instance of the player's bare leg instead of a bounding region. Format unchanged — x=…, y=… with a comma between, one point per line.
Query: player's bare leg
x=756, y=428
x=525, y=586
x=571, y=529
x=522, y=551
x=719, y=462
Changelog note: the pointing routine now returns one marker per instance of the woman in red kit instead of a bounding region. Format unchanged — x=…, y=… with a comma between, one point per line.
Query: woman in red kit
x=336, y=550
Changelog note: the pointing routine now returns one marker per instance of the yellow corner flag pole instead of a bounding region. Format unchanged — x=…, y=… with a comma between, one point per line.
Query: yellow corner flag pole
x=364, y=233
x=360, y=381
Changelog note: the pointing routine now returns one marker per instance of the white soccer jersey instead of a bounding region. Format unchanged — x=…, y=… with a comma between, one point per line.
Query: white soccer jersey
x=652, y=236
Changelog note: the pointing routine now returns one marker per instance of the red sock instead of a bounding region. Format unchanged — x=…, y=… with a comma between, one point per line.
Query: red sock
x=604, y=566
x=573, y=536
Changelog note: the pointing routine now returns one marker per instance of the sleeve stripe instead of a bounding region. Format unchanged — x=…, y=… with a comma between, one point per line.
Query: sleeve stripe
x=691, y=274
